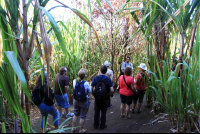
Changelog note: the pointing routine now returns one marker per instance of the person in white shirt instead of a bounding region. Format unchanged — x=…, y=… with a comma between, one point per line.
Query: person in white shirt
x=81, y=101
x=125, y=64
x=109, y=73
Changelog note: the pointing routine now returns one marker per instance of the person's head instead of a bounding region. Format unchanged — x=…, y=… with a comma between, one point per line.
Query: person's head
x=107, y=63
x=81, y=74
x=142, y=67
x=128, y=58
x=128, y=71
x=103, y=69
x=39, y=80
x=63, y=71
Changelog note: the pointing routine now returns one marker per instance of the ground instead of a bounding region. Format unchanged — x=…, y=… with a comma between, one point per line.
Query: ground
x=137, y=123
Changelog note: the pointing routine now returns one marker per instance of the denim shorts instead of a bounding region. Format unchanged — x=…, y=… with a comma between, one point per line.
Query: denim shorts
x=62, y=101
x=81, y=108
x=45, y=111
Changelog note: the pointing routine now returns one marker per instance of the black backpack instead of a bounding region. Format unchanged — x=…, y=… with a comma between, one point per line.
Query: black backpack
x=42, y=95
x=101, y=91
x=37, y=95
x=48, y=96
x=79, y=92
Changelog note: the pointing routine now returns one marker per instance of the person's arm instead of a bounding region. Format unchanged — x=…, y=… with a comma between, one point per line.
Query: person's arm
x=111, y=77
x=123, y=66
x=111, y=91
x=133, y=88
x=66, y=89
x=66, y=84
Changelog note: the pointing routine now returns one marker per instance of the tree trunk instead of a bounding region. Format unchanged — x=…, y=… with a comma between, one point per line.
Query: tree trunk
x=26, y=56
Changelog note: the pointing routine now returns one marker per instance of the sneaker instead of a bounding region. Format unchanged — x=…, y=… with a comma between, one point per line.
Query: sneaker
x=138, y=111
x=69, y=115
x=103, y=127
x=109, y=107
x=96, y=127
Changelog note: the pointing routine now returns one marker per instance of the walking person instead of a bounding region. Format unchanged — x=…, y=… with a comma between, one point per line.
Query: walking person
x=102, y=89
x=62, y=85
x=109, y=74
x=126, y=83
x=125, y=64
x=142, y=79
x=43, y=98
x=81, y=101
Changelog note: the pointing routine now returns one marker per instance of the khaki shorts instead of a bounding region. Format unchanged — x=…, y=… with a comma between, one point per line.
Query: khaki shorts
x=81, y=108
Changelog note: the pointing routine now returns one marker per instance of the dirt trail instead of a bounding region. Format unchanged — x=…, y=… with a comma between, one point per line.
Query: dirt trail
x=115, y=123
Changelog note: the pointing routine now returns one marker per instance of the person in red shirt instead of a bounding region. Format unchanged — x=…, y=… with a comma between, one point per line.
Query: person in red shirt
x=140, y=85
x=126, y=83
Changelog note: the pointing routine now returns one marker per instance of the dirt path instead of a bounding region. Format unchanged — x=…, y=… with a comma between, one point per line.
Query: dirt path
x=117, y=124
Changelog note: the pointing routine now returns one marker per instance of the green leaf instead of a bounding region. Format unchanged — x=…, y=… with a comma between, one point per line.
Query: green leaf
x=16, y=67
x=110, y=5
x=3, y=128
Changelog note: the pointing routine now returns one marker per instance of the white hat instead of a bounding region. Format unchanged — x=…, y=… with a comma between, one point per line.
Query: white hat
x=107, y=63
x=143, y=66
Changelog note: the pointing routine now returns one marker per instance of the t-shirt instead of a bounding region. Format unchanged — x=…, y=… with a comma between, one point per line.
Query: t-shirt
x=61, y=82
x=88, y=89
x=142, y=85
x=109, y=73
x=125, y=64
x=124, y=89
x=109, y=83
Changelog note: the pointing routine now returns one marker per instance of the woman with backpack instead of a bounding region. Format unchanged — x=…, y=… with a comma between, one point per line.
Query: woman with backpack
x=126, y=84
x=142, y=79
x=44, y=100
x=81, y=101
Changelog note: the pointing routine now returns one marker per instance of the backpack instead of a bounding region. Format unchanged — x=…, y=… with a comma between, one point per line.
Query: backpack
x=79, y=91
x=48, y=96
x=37, y=96
x=42, y=95
x=101, y=93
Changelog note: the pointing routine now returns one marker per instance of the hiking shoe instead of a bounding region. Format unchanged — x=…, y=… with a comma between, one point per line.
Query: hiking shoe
x=147, y=106
x=104, y=127
x=139, y=111
x=109, y=107
x=132, y=111
x=69, y=115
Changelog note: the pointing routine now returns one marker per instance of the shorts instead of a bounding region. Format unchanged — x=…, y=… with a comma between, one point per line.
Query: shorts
x=62, y=101
x=126, y=99
x=139, y=97
x=81, y=108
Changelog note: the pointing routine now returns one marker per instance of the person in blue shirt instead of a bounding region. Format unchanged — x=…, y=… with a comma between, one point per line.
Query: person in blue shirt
x=101, y=107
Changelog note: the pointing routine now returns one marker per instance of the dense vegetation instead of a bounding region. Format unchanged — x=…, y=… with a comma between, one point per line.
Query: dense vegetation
x=151, y=31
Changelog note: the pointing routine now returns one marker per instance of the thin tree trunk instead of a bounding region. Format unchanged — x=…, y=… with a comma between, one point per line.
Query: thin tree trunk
x=26, y=56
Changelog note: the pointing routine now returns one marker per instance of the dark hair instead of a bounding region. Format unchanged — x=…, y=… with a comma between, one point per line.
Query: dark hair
x=103, y=69
x=128, y=71
x=129, y=57
x=62, y=70
x=39, y=81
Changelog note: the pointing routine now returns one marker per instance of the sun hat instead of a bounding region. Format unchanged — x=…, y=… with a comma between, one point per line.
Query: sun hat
x=143, y=66
x=107, y=63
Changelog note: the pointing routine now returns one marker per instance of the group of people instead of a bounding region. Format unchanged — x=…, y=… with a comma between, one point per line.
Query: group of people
x=131, y=91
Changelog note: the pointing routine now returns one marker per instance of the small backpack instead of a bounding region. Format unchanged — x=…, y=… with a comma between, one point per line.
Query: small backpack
x=37, y=96
x=48, y=96
x=79, y=91
x=101, y=93
x=42, y=95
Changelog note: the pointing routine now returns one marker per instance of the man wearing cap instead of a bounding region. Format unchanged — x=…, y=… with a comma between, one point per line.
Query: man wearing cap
x=125, y=64
x=109, y=74
x=142, y=79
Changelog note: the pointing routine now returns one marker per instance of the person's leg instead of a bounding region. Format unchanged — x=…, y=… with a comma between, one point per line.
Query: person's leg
x=55, y=114
x=74, y=121
x=60, y=110
x=135, y=99
x=103, y=116
x=127, y=111
x=122, y=109
x=96, y=115
x=141, y=98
